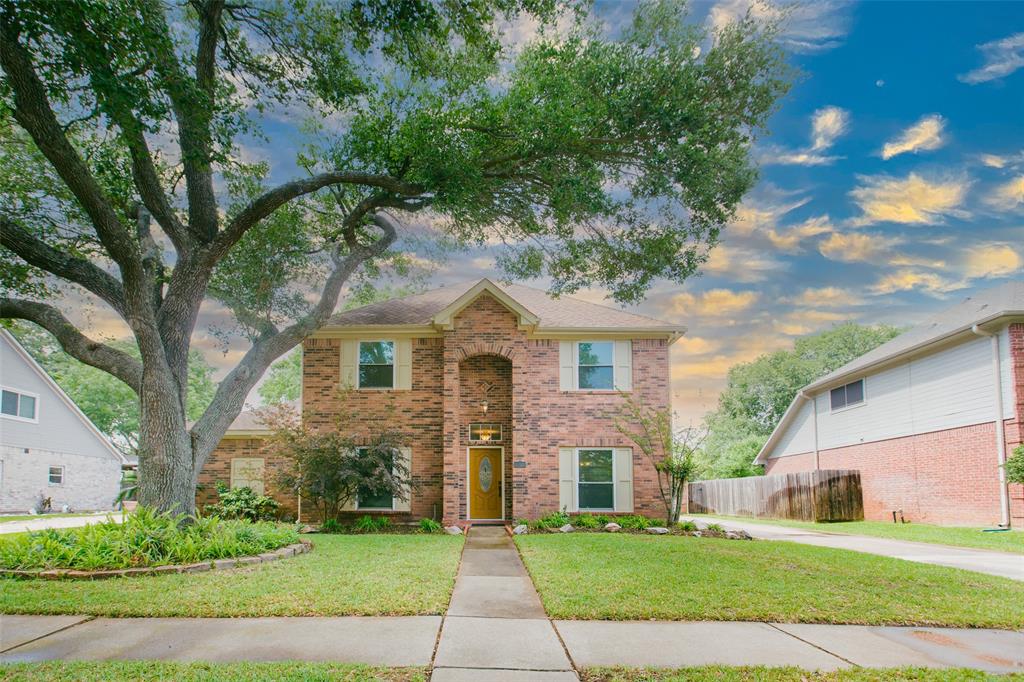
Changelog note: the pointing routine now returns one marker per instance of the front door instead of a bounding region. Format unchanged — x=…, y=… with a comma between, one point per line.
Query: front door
x=485, y=483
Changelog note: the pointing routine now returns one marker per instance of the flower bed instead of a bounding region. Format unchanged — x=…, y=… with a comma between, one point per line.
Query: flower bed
x=560, y=522
x=144, y=540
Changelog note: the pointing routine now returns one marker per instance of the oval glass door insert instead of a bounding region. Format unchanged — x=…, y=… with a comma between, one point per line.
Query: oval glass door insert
x=486, y=474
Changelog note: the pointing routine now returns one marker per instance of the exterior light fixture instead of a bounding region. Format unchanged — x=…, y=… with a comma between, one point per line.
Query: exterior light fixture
x=483, y=406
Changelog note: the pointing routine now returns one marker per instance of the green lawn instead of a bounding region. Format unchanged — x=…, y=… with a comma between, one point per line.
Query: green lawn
x=632, y=577
x=36, y=517
x=762, y=674
x=1008, y=541
x=101, y=671
x=365, y=575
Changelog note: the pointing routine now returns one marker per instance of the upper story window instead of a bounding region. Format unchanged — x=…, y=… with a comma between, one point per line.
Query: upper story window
x=595, y=366
x=848, y=395
x=376, y=364
x=18, y=405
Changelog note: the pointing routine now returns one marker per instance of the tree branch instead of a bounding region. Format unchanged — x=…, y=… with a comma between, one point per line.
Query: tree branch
x=38, y=253
x=77, y=345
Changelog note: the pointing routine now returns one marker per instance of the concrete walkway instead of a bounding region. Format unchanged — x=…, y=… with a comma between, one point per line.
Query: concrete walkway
x=44, y=521
x=1004, y=564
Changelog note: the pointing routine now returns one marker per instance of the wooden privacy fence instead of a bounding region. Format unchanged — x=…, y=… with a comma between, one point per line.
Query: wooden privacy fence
x=824, y=495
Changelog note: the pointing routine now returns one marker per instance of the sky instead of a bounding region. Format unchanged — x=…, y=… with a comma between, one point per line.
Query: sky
x=891, y=185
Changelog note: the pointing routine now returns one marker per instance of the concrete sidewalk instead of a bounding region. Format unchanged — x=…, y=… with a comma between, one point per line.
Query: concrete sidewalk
x=44, y=521
x=1003, y=564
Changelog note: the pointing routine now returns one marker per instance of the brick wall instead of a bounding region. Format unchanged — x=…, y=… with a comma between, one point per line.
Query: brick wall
x=218, y=470
x=1015, y=430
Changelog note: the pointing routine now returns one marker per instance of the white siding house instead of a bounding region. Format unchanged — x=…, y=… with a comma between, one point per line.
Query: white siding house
x=48, y=447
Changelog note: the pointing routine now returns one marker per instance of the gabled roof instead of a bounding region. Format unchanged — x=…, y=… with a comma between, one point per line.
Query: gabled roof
x=252, y=421
x=64, y=397
x=983, y=308
x=535, y=308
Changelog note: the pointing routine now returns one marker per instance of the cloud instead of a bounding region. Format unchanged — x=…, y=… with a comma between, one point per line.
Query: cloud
x=827, y=125
x=924, y=135
x=992, y=260
x=1002, y=57
x=825, y=297
x=792, y=238
x=742, y=264
x=714, y=302
x=1008, y=196
x=908, y=280
x=910, y=200
x=993, y=160
x=805, y=27
x=695, y=345
x=853, y=247
x=754, y=215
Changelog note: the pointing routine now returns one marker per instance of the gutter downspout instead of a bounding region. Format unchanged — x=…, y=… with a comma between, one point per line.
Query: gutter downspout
x=1004, y=500
x=814, y=421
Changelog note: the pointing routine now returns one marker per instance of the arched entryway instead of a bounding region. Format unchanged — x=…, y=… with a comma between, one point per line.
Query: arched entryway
x=485, y=435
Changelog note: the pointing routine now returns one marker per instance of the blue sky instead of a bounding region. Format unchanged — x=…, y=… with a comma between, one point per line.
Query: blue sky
x=892, y=183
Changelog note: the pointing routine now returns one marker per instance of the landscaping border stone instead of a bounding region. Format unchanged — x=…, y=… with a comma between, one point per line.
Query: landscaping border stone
x=295, y=549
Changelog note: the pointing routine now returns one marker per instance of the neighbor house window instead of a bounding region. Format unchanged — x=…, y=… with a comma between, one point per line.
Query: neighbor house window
x=56, y=475
x=594, y=471
x=376, y=364
x=368, y=499
x=595, y=365
x=18, y=405
x=484, y=433
x=845, y=396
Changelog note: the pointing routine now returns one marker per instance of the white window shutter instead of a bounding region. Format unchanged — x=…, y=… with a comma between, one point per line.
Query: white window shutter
x=623, y=479
x=403, y=364
x=406, y=504
x=566, y=366
x=566, y=480
x=349, y=363
x=624, y=365
x=247, y=472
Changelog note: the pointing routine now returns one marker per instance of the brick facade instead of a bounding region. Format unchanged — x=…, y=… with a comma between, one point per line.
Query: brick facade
x=947, y=476
x=485, y=356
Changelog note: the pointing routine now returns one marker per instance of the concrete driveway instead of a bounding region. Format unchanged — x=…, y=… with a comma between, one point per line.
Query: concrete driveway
x=1003, y=564
x=45, y=521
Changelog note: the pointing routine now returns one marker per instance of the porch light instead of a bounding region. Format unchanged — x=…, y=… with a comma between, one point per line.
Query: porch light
x=483, y=406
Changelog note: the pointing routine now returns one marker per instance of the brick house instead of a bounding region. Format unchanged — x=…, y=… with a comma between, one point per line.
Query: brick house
x=927, y=417
x=506, y=393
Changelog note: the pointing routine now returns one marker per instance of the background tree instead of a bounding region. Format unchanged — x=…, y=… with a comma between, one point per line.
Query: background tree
x=757, y=394
x=672, y=451
x=596, y=161
x=107, y=401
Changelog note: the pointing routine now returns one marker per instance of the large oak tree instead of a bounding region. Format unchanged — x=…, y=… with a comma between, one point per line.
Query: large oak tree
x=594, y=160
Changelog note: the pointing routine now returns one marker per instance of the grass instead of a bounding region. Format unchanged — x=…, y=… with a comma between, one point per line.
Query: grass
x=365, y=575
x=101, y=671
x=616, y=577
x=36, y=517
x=957, y=536
x=764, y=674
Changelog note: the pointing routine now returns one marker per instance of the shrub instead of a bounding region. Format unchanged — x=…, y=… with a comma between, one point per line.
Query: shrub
x=145, y=538
x=382, y=523
x=365, y=524
x=585, y=521
x=715, y=528
x=1015, y=466
x=688, y=526
x=243, y=503
x=553, y=520
x=332, y=526
x=604, y=519
x=634, y=522
x=430, y=526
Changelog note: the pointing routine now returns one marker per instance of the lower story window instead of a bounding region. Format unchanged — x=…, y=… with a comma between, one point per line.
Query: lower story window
x=594, y=476
x=56, y=475
x=369, y=499
x=247, y=472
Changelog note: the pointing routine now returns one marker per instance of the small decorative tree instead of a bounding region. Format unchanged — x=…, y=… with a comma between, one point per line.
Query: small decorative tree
x=329, y=467
x=670, y=450
x=1015, y=466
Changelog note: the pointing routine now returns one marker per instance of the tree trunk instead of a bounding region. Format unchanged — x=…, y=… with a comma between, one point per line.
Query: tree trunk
x=167, y=472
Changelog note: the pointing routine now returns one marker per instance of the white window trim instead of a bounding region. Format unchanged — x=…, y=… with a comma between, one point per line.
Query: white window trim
x=576, y=481
x=394, y=365
x=18, y=418
x=576, y=368
x=854, y=406
x=63, y=472
x=379, y=509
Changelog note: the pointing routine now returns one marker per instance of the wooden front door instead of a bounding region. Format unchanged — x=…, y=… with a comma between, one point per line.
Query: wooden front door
x=485, y=483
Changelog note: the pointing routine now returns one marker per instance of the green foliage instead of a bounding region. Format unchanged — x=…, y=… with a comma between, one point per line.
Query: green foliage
x=332, y=526
x=715, y=528
x=283, y=382
x=430, y=526
x=243, y=503
x=688, y=526
x=370, y=524
x=1015, y=465
x=144, y=538
x=553, y=520
x=758, y=392
x=586, y=521
x=634, y=522
x=110, y=404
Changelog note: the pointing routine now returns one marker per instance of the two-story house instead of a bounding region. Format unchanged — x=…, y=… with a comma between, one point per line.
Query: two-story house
x=508, y=396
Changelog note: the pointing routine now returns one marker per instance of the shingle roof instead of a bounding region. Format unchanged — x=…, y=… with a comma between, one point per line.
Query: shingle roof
x=564, y=312
x=1006, y=299
x=252, y=419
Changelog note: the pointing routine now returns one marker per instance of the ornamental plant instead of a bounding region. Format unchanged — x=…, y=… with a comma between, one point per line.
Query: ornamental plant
x=1015, y=466
x=243, y=503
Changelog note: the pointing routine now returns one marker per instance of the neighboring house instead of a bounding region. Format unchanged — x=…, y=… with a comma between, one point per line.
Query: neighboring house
x=927, y=417
x=507, y=395
x=48, y=447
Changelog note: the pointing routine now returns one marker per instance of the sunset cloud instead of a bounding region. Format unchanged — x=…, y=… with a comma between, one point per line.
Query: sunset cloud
x=908, y=280
x=910, y=200
x=806, y=27
x=1008, y=196
x=742, y=264
x=925, y=135
x=853, y=247
x=825, y=297
x=792, y=239
x=827, y=125
x=1002, y=57
x=715, y=302
x=992, y=260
